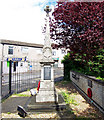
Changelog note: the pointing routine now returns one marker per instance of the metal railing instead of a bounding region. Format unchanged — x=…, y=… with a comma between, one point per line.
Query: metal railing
x=0, y=89
x=19, y=76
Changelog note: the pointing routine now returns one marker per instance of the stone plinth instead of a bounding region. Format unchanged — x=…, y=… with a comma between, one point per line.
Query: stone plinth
x=47, y=91
x=46, y=96
x=34, y=106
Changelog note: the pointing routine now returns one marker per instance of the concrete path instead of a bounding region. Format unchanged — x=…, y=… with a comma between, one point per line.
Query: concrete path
x=10, y=104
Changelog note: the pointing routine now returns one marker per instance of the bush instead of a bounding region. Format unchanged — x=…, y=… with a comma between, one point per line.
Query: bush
x=68, y=65
x=93, y=67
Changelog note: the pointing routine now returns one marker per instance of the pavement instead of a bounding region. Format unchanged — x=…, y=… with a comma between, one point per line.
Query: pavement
x=10, y=104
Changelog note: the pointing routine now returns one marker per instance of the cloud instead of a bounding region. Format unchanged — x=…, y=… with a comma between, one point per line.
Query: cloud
x=21, y=20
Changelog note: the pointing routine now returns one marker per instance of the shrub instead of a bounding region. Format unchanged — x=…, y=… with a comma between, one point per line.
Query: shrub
x=93, y=67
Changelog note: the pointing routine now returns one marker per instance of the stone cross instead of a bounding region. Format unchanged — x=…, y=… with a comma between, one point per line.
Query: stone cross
x=47, y=9
x=47, y=50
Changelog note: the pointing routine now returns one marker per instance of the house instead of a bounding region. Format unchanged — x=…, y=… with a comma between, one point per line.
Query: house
x=25, y=56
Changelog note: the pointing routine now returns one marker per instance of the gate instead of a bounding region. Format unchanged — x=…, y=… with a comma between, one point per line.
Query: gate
x=18, y=76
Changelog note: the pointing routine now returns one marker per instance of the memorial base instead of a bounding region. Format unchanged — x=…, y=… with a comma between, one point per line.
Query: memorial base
x=46, y=96
x=34, y=106
x=47, y=92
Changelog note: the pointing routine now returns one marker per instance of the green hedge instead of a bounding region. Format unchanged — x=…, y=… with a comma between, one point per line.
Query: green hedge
x=94, y=67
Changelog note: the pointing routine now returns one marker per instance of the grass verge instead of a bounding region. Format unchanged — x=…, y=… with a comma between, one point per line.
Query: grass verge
x=22, y=95
x=69, y=99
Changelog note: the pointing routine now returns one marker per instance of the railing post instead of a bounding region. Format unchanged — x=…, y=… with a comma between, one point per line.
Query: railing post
x=10, y=76
x=0, y=87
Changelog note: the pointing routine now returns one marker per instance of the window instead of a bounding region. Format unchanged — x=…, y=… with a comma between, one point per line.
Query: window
x=54, y=53
x=21, y=64
x=24, y=49
x=63, y=51
x=10, y=50
x=15, y=64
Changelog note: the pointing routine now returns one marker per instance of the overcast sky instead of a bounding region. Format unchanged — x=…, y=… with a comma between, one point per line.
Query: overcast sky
x=21, y=20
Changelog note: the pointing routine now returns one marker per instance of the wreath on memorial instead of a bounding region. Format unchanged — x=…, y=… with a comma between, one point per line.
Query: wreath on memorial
x=38, y=86
x=89, y=92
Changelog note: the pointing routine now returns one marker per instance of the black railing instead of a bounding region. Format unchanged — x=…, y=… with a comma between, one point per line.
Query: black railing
x=20, y=76
x=10, y=76
x=17, y=78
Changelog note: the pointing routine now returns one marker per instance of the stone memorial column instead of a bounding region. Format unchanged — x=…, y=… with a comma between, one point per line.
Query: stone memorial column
x=47, y=90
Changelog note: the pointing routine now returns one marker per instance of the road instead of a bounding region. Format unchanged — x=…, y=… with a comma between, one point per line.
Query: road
x=31, y=74
x=23, y=81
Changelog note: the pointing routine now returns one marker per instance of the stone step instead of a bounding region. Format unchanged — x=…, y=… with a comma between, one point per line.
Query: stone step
x=45, y=106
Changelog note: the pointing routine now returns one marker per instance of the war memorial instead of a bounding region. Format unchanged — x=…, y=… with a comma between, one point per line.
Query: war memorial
x=47, y=97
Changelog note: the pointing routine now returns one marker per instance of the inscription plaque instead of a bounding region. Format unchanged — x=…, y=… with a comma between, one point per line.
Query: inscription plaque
x=76, y=77
x=90, y=83
x=47, y=73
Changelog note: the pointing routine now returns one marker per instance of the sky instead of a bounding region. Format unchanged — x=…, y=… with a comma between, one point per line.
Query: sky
x=22, y=20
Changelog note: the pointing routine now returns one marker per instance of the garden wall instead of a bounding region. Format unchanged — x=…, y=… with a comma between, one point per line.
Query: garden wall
x=84, y=82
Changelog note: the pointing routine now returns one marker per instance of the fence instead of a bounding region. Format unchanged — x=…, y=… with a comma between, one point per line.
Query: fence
x=18, y=76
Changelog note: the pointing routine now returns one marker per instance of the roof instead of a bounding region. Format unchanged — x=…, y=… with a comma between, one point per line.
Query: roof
x=18, y=43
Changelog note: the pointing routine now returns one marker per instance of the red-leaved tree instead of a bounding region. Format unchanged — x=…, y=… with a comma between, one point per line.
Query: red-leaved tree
x=79, y=26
